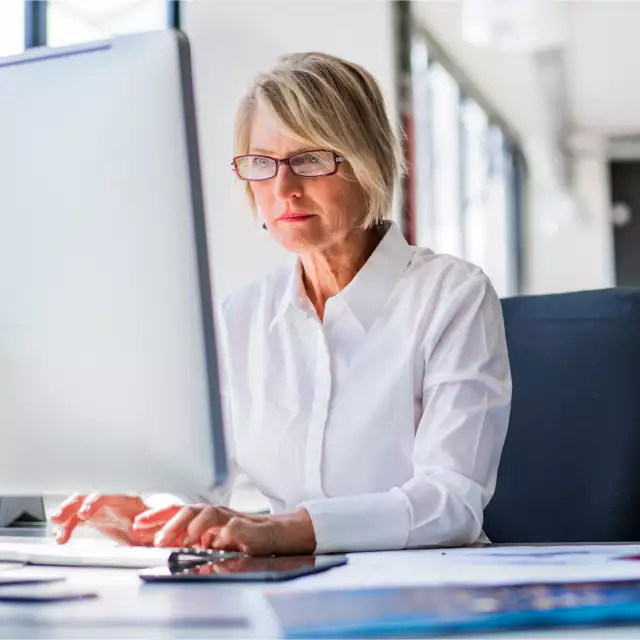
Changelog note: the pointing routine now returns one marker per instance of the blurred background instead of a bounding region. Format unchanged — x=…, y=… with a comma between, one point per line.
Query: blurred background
x=522, y=119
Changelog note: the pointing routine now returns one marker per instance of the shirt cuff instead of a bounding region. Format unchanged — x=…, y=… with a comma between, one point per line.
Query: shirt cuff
x=369, y=522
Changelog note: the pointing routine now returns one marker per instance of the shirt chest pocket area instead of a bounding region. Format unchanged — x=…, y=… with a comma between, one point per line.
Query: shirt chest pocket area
x=275, y=396
x=272, y=410
x=269, y=417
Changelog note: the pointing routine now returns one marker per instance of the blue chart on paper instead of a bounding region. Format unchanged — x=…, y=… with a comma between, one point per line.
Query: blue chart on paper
x=424, y=611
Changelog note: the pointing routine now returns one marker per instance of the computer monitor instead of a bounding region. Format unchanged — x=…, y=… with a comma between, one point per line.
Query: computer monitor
x=108, y=370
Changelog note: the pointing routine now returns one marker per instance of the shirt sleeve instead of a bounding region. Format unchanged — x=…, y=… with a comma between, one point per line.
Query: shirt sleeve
x=466, y=403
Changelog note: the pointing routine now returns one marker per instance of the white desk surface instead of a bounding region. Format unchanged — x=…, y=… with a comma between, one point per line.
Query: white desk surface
x=128, y=608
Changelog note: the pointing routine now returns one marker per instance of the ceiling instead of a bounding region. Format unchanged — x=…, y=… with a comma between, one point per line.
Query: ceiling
x=603, y=65
x=602, y=58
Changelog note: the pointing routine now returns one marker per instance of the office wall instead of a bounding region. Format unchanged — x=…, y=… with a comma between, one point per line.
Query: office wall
x=576, y=253
x=233, y=40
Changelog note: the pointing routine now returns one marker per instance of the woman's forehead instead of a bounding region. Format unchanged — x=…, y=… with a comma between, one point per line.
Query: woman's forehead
x=270, y=136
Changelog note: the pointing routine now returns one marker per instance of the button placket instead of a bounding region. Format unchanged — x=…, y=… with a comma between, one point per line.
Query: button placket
x=319, y=414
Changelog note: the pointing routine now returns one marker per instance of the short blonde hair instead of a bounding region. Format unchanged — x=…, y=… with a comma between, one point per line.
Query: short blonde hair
x=329, y=103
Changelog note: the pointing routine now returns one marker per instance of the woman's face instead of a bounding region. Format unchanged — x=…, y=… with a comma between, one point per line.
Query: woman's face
x=328, y=207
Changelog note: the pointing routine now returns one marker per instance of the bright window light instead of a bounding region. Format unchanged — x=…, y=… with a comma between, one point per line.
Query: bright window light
x=77, y=21
x=11, y=27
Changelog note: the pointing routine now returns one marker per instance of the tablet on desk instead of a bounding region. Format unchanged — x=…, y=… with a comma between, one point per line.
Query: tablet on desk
x=243, y=568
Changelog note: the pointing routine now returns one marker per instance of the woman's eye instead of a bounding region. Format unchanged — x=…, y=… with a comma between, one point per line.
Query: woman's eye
x=260, y=162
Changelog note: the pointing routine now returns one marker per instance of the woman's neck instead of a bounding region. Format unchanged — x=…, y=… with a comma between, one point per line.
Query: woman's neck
x=329, y=271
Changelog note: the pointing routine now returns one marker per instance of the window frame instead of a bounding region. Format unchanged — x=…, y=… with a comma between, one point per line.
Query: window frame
x=35, y=23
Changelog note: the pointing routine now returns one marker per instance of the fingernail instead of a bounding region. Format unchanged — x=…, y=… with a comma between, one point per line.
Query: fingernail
x=158, y=539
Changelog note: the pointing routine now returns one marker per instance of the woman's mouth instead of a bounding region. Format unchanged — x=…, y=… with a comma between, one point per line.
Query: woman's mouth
x=295, y=216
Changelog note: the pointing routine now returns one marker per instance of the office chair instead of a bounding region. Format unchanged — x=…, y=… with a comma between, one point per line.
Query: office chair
x=570, y=469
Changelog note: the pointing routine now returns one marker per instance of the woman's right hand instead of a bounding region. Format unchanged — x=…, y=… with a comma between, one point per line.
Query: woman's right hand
x=111, y=515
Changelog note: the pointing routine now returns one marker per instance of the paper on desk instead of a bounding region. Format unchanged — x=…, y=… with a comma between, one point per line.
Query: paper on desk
x=490, y=566
x=547, y=554
x=82, y=553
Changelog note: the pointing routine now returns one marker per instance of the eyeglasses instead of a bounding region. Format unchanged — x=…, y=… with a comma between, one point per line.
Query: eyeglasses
x=308, y=164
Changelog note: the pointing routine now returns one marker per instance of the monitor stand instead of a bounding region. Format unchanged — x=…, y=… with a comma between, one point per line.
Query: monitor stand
x=16, y=511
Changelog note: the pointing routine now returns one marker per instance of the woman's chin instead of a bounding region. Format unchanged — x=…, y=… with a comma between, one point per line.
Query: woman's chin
x=298, y=240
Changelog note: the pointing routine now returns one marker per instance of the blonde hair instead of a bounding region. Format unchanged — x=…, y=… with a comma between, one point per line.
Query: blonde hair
x=329, y=103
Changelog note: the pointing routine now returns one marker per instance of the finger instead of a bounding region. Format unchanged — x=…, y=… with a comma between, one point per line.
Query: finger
x=255, y=538
x=168, y=535
x=155, y=518
x=227, y=541
x=92, y=504
x=208, y=518
x=143, y=537
x=235, y=536
x=208, y=538
x=110, y=517
x=69, y=507
x=182, y=541
x=64, y=531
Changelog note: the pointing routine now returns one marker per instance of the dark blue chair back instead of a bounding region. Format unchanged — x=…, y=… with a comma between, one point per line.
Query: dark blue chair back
x=570, y=470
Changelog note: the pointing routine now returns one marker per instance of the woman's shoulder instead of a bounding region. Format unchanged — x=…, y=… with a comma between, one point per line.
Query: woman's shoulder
x=445, y=271
x=259, y=297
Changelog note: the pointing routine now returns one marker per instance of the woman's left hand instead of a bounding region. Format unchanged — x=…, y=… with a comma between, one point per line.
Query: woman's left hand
x=207, y=526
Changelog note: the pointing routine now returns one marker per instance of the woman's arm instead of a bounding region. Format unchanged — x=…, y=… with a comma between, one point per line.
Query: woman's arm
x=459, y=439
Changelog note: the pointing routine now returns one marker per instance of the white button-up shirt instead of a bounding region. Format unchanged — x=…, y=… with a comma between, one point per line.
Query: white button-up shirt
x=386, y=420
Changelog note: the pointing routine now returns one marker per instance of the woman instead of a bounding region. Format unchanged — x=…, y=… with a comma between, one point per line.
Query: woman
x=368, y=384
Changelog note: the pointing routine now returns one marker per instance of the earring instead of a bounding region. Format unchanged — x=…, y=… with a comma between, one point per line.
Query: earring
x=264, y=226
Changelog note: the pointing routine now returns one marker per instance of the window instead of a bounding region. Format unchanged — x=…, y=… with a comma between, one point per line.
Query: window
x=488, y=205
x=445, y=138
x=499, y=257
x=465, y=172
x=76, y=21
x=475, y=130
x=11, y=27
x=421, y=166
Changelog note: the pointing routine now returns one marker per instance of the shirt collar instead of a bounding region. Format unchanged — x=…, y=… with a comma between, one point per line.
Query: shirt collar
x=294, y=294
x=368, y=292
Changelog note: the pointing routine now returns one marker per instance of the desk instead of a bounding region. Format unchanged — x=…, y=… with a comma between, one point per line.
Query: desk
x=127, y=608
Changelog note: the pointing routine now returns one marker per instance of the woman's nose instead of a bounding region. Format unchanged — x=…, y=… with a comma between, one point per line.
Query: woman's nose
x=287, y=184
